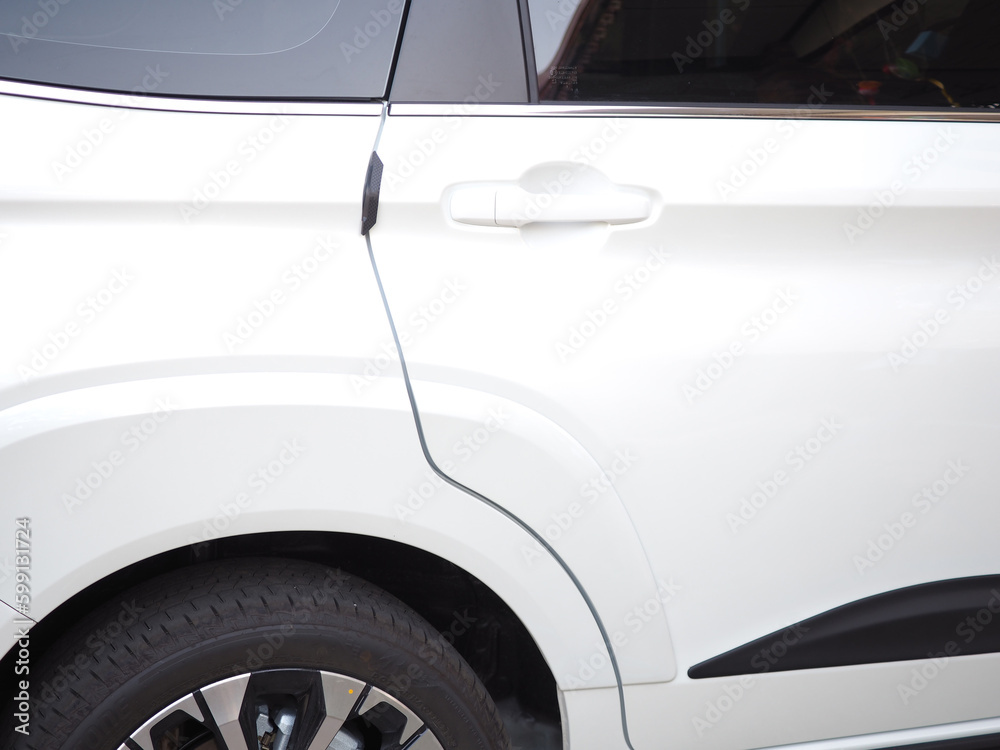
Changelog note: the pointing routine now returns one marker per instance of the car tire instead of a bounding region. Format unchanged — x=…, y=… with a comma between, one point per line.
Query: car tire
x=233, y=649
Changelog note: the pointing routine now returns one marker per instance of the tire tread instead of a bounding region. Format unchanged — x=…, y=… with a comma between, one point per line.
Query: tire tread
x=180, y=610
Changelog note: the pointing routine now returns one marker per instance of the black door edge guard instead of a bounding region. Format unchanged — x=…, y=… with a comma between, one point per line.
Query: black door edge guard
x=369, y=201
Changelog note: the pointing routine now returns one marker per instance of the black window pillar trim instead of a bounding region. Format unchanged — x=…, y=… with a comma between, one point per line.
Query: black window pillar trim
x=395, y=52
x=528, y=42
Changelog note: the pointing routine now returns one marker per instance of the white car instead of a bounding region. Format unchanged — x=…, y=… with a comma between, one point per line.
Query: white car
x=500, y=374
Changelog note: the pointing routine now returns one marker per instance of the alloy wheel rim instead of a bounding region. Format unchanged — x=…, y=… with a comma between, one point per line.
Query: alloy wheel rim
x=285, y=709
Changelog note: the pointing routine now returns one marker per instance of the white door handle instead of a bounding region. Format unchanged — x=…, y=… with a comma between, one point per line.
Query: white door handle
x=512, y=206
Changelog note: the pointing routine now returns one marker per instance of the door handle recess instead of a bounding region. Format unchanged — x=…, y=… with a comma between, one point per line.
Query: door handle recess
x=513, y=206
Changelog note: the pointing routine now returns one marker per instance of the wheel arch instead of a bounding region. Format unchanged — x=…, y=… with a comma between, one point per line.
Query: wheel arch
x=468, y=613
x=361, y=472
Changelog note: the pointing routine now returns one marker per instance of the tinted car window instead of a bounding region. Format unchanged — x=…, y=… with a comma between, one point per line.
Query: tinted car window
x=905, y=53
x=212, y=48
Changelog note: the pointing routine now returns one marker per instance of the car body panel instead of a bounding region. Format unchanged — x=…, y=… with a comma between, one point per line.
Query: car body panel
x=736, y=342
x=219, y=330
x=476, y=438
x=273, y=464
x=726, y=714
x=909, y=702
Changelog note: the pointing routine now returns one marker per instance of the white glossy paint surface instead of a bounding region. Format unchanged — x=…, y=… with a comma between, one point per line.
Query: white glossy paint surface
x=743, y=340
x=567, y=373
x=180, y=346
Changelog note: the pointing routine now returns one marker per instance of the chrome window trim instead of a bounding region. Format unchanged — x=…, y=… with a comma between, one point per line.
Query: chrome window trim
x=656, y=110
x=169, y=104
x=223, y=106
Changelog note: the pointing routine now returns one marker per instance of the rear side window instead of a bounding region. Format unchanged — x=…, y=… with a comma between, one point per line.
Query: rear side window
x=208, y=48
x=903, y=53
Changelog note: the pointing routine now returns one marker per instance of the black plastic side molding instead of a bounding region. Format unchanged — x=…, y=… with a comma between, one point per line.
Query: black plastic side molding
x=956, y=617
x=369, y=202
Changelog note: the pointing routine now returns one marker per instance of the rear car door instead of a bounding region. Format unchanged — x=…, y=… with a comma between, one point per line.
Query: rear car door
x=744, y=254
